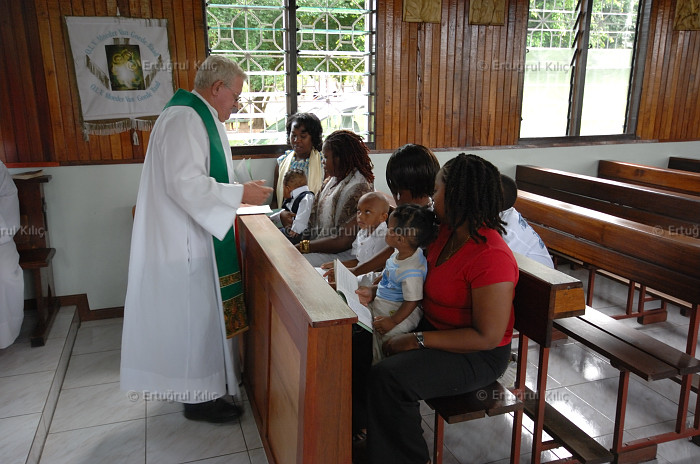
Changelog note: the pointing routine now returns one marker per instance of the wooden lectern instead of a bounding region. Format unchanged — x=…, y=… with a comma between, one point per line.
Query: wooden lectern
x=35, y=254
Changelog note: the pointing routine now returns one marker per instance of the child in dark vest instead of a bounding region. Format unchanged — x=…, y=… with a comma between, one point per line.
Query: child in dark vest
x=298, y=199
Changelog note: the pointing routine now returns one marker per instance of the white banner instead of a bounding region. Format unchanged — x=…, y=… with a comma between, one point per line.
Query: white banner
x=123, y=71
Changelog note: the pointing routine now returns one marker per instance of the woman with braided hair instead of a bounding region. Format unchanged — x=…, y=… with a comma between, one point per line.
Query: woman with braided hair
x=463, y=341
x=333, y=223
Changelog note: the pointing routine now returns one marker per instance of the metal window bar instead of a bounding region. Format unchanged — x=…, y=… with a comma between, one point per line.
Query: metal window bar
x=295, y=68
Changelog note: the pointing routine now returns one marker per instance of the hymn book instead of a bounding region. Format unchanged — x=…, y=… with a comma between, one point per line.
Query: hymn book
x=345, y=285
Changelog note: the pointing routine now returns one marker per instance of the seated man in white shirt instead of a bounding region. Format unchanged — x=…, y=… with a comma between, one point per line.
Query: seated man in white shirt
x=520, y=236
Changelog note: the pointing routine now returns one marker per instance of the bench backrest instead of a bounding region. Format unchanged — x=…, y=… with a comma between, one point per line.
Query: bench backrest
x=669, y=179
x=645, y=254
x=684, y=164
x=672, y=211
x=542, y=295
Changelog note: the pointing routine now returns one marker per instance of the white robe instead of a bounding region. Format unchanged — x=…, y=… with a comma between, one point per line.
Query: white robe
x=11, y=278
x=174, y=344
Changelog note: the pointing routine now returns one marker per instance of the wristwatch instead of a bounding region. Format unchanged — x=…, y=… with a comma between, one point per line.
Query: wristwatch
x=419, y=339
x=304, y=248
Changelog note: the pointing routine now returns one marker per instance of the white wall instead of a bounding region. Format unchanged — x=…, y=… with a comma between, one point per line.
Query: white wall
x=89, y=207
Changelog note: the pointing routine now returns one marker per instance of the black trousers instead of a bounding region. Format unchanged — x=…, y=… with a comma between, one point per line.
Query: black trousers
x=395, y=385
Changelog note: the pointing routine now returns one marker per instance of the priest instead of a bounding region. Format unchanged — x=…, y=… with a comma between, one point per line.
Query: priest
x=184, y=300
x=11, y=278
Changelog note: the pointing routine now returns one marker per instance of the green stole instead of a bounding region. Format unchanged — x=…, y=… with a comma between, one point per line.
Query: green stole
x=225, y=250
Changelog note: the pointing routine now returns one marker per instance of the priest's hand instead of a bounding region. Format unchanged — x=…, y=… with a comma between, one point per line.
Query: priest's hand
x=255, y=192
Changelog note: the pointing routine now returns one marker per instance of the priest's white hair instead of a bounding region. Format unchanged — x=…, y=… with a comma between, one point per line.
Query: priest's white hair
x=217, y=68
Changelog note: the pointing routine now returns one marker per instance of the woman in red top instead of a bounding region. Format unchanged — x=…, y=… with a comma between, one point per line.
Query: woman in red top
x=464, y=342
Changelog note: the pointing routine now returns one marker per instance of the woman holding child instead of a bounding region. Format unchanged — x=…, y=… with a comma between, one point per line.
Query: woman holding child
x=304, y=134
x=463, y=341
x=333, y=223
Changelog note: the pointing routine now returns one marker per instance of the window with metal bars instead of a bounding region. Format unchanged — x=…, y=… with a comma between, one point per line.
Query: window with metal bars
x=313, y=56
x=582, y=67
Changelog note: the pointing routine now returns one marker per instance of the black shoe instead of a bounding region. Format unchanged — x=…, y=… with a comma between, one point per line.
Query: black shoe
x=217, y=411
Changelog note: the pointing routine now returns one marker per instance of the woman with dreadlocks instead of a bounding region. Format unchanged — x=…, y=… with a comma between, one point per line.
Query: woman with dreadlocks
x=333, y=222
x=463, y=341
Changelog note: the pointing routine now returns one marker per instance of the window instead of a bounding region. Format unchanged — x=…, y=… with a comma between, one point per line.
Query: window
x=330, y=48
x=578, y=67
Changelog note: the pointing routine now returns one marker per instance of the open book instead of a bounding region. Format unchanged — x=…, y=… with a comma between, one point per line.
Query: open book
x=345, y=285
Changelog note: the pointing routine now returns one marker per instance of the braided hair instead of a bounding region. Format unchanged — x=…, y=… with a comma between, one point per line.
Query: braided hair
x=412, y=167
x=417, y=223
x=350, y=152
x=312, y=125
x=473, y=194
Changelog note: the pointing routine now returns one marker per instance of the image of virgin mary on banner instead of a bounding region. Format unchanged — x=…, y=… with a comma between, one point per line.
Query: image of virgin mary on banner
x=123, y=71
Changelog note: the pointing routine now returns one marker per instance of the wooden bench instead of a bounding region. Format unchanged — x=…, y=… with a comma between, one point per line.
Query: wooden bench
x=684, y=164
x=668, y=179
x=635, y=251
x=668, y=213
x=542, y=295
x=632, y=351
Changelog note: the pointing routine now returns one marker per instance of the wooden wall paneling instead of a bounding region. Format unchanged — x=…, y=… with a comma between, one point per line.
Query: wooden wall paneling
x=487, y=45
x=403, y=82
x=382, y=70
x=10, y=133
x=518, y=77
x=450, y=34
x=126, y=144
x=49, y=59
x=470, y=115
x=25, y=108
x=441, y=77
x=681, y=82
x=501, y=117
x=56, y=10
x=190, y=42
x=685, y=98
x=180, y=39
x=434, y=78
x=668, y=113
x=157, y=9
x=459, y=48
x=426, y=84
x=410, y=113
x=662, y=64
x=694, y=98
x=495, y=72
x=84, y=151
x=200, y=27
x=396, y=77
x=135, y=9
x=466, y=95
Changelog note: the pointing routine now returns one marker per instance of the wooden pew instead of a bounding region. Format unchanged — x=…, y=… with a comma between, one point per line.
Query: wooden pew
x=674, y=212
x=668, y=179
x=635, y=251
x=667, y=212
x=298, y=351
x=298, y=348
x=684, y=164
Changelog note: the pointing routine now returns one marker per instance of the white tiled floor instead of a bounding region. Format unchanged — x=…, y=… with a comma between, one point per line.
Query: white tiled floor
x=95, y=422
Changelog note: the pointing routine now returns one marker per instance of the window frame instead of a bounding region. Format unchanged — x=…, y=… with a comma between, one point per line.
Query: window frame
x=578, y=77
x=291, y=83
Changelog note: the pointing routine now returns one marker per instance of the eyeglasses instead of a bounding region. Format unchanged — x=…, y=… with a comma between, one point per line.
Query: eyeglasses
x=236, y=96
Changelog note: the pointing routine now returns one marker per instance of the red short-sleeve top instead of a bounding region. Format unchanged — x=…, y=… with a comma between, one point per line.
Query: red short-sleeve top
x=447, y=300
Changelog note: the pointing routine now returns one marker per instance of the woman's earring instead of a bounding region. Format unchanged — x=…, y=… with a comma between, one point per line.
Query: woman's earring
x=398, y=196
